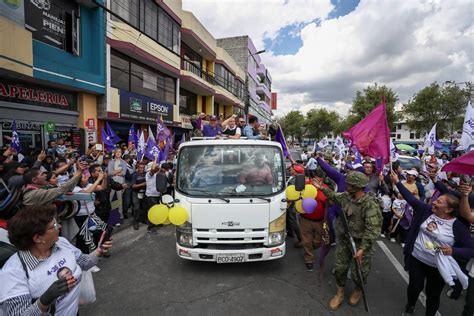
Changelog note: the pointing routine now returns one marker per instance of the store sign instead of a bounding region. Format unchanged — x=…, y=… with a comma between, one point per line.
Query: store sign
x=91, y=136
x=49, y=20
x=90, y=123
x=22, y=125
x=141, y=108
x=274, y=100
x=50, y=127
x=26, y=93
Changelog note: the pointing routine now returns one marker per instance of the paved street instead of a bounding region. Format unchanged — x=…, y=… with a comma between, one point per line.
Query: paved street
x=145, y=277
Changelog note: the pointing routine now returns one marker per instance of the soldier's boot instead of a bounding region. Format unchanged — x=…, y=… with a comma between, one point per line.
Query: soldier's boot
x=355, y=297
x=337, y=300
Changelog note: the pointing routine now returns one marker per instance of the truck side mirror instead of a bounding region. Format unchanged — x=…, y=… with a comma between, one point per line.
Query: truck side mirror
x=299, y=182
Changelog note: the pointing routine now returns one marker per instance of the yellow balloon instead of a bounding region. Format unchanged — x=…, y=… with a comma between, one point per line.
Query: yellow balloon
x=299, y=206
x=310, y=191
x=291, y=193
x=178, y=215
x=167, y=221
x=158, y=214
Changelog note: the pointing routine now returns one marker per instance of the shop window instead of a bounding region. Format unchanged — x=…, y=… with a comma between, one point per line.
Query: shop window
x=54, y=22
x=170, y=90
x=146, y=82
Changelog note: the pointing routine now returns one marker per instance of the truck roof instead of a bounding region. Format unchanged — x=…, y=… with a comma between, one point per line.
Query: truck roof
x=232, y=142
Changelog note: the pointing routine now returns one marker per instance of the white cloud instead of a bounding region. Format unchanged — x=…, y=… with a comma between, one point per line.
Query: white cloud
x=403, y=44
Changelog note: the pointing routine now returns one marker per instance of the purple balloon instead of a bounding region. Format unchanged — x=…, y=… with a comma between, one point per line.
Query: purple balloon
x=309, y=205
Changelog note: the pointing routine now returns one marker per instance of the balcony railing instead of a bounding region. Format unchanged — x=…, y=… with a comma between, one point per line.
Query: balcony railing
x=211, y=77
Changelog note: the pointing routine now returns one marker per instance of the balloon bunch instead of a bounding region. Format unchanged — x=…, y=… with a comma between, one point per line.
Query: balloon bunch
x=167, y=213
x=305, y=201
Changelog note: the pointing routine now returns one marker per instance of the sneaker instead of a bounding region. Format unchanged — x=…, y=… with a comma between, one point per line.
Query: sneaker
x=95, y=269
x=393, y=240
x=309, y=267
x=409, y=310
x=382, y=235
x=402, y=244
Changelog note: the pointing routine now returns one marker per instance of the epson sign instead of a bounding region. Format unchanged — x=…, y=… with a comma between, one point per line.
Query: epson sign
x=154, y=107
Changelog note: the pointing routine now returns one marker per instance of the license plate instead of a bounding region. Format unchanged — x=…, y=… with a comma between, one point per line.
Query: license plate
x=230, y=258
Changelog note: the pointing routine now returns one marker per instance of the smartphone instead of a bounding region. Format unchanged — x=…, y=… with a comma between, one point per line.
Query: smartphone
x=106, y=235
x=98, y=147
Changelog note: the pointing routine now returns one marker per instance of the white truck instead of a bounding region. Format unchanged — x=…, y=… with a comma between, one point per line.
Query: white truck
x=234, y=192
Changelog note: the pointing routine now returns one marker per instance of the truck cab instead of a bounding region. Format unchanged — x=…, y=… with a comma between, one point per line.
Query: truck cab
x=234, y=192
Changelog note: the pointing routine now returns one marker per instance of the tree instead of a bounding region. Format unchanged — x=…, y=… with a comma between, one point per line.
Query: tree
x=320, y=122
x=292, y=124
x=368, y=99
x=442, y=104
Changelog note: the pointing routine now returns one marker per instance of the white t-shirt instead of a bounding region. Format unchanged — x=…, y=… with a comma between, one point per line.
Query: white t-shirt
x=63, y=178
x=151, y=185
x=387, y=203
x=399, y=207
x=434, y=232
x=85, y=205
x=15, y=283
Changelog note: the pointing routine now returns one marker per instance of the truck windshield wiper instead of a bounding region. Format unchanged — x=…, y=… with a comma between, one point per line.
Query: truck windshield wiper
x=208, y=195
x=253, y=197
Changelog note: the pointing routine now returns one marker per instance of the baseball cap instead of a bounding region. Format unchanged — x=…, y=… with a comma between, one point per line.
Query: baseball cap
x=298, y=169
x=213, y=118
x=413, y=173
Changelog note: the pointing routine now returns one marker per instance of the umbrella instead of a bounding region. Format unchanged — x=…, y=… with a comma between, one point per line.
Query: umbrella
x=463, y=164
x=405, y=147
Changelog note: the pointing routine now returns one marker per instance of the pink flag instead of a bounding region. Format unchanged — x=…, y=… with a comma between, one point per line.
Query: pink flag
x=371, y=136
x=463, y=164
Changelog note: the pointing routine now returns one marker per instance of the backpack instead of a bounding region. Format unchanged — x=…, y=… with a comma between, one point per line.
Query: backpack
x=161, y=182
x=6, y=251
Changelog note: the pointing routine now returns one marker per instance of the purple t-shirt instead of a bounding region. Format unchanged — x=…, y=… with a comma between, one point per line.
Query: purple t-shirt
x=208, y=131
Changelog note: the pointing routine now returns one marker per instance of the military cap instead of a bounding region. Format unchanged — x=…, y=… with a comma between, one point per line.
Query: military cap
x=357, y=179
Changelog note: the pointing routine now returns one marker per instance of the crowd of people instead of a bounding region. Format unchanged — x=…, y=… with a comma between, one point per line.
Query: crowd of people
x=426, y=210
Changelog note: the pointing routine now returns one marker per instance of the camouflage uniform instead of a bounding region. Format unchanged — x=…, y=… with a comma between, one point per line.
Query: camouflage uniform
x=364, y=221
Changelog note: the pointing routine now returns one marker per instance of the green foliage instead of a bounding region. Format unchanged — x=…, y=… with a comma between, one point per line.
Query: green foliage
x=292, y=124
x=442, y=104
x=320, y=122
x=368, y=99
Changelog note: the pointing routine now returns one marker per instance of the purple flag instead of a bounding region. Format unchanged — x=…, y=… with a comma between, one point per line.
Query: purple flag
x=110, y=132
x=162, y=132
x=281, y=139
x=132, y=136
x=15, y=138
x=107, y=141
x=152, y=151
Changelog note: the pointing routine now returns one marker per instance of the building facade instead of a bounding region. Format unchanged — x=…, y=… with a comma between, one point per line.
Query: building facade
x=257, y=77
x=52, y=69
x=163, y=62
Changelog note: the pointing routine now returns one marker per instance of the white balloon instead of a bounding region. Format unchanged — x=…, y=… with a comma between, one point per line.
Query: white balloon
x=167, y=199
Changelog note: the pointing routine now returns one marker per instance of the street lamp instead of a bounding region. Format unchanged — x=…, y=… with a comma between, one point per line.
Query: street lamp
x=247, y=97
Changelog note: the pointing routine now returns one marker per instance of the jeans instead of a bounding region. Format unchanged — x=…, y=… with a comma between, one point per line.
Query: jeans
x=127, y=200
x=139, y=208
x=387, y=217
x=292, y=226
x=150, y=201
x=469, y=307
x=419, y=272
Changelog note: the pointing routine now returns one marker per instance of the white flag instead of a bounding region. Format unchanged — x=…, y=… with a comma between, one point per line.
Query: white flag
x=339, y=143
x=150, y=133
x=393, y=151
x=323, y=142
x=467, y=137
x=430, y=140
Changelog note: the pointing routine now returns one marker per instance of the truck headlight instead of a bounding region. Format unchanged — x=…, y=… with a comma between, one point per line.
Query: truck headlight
x=276, y=238
x=278, y=224
x=184, y=235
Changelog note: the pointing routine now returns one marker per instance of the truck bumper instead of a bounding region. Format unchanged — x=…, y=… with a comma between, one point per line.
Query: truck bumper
x=249, y=255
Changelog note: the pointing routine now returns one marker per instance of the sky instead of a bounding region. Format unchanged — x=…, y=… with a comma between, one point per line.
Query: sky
x=320, y=52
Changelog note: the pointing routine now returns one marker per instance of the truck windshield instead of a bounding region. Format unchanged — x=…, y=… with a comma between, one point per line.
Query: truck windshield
x=227, y=170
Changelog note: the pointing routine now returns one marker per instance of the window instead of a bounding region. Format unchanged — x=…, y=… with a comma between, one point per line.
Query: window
x=399, y=136
x=399, y=127
x=151, y=19
x=130, y=75
x=187, y=102
x=412, y=135
x=119, y=72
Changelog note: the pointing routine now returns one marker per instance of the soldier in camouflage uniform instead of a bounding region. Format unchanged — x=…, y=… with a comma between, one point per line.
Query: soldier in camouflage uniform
x=364, y=220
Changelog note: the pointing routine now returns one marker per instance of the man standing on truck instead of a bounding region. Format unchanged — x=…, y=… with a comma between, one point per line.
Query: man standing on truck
x=365, y=222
